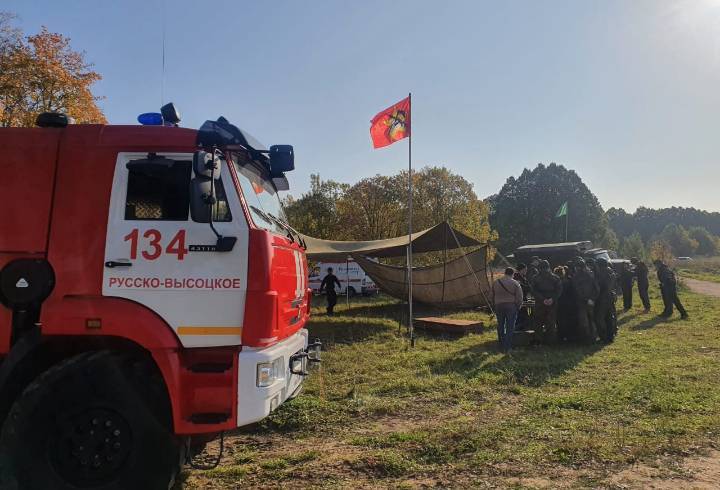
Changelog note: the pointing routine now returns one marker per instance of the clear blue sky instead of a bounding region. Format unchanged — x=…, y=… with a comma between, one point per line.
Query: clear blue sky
x=625, y=92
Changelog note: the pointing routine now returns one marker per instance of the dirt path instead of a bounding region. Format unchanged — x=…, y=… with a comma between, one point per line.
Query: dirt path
x=703, y=287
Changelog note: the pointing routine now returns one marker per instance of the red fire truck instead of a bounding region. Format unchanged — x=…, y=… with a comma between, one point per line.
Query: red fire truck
x=152, y=296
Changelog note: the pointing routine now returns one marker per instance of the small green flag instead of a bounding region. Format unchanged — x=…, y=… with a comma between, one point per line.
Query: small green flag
x=563, y=210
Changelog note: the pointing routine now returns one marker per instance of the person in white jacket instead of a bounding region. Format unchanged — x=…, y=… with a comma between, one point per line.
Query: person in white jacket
x=508, y=298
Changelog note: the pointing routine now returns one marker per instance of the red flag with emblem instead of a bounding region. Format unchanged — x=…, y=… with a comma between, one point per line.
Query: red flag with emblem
x=391, y=125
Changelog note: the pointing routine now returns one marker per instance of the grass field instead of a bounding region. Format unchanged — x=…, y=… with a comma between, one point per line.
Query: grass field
x=457, y=412
x=704, y=269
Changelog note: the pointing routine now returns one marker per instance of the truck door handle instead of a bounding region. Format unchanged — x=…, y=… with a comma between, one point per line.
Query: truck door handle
x=111, y=264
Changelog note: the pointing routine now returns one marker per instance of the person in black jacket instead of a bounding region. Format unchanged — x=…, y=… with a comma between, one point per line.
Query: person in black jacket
x=328, y=284
x=605, y=317
x=546, y=288
x=586, y=291
x=643, y=283
x=523, y=316
x=668, y=288
x=626, y=284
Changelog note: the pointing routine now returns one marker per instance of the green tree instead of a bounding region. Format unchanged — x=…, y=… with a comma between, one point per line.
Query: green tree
x=633, y=246
x=315, y=212
x=524, y=210
x=679, y=240
x=708, y=244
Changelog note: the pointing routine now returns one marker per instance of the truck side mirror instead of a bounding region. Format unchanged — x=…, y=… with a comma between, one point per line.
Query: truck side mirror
x=206, y=164
x=202, y=199
x=282, y=159
x=203, y=195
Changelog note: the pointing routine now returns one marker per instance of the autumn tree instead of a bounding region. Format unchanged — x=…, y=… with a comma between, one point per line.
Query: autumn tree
x=376, y=207
x=440, y=195
x=373, y=209
x=42, y=73
x=661, y=250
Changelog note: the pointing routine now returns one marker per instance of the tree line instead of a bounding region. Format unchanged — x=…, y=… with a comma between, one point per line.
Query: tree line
x=524, y=211
x=674, y=231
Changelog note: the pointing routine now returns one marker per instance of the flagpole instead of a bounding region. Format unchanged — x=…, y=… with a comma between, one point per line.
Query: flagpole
x=411, y=330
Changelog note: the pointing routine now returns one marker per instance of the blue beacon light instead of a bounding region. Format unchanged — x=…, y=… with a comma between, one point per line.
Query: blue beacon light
x=150, y=119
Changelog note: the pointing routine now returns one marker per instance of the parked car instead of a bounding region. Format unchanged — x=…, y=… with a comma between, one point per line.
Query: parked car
x=560, y=253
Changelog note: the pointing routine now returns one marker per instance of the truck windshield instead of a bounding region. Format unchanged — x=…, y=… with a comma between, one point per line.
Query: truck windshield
x=260, y=195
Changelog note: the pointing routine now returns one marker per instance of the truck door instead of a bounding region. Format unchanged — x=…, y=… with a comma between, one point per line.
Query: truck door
x=158, y=255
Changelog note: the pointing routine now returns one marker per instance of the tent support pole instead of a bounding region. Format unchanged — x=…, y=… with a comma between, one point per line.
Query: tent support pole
x=492, y=310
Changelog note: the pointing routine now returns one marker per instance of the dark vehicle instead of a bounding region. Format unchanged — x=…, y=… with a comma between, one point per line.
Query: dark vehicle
x=560, y=253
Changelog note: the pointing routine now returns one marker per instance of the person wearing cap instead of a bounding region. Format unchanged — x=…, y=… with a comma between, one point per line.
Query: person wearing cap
x=508, y=297
x=643, y=283
x=668, y=288
x=546, y=288
x=605, y=317
x=586, y=292
x=567, y=306
x=626, y=283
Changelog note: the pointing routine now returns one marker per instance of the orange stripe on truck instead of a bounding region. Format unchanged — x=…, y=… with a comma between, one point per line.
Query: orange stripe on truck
x=197, y=330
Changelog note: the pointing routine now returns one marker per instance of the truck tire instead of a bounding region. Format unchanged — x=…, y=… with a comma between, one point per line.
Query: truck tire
x=90, y=422
x=351, y=291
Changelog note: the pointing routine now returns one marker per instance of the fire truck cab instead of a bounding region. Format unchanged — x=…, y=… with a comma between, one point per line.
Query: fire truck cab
x=152, y=296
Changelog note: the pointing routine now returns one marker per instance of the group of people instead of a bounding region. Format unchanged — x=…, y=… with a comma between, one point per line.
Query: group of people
x=637, y=270
x=574, y=302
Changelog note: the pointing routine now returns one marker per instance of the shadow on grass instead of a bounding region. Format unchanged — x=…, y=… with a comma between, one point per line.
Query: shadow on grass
x=398, y=312
x=623, y=318
x=652, y=322
x=529, y=366
x=333, y=330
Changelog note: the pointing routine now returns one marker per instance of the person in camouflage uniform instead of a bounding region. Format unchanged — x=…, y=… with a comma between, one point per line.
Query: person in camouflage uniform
x=605, y=316
x=586, y=293
x=668, y=288
x=546, y=288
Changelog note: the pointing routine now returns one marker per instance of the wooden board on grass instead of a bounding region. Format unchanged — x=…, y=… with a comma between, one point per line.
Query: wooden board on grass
x=447, y=325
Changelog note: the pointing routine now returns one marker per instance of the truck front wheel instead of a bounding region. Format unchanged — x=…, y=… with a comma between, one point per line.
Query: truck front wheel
x=94, y=421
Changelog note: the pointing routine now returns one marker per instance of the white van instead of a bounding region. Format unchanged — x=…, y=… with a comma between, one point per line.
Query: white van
x=352, y=277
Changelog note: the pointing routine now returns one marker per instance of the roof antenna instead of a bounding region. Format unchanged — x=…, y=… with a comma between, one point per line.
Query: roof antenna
x=162, y=75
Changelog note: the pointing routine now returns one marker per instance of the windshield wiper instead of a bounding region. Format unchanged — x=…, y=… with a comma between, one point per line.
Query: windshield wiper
x=262, y=214
x=272, y=219
x=289, y=229
x=284, y=226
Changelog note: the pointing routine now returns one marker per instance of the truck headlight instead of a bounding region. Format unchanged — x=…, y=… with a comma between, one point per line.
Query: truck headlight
x=269, y=372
